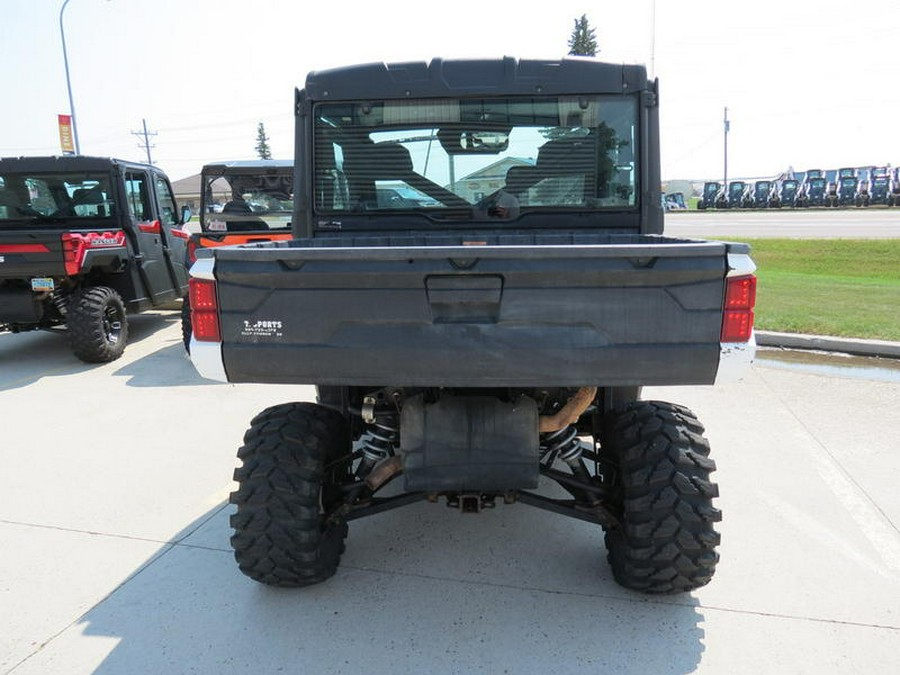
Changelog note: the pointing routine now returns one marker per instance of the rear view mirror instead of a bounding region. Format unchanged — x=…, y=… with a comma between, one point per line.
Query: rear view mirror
x=473, y=142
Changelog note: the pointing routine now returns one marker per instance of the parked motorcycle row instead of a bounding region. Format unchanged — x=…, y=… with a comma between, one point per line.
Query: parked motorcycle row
x=844, y=187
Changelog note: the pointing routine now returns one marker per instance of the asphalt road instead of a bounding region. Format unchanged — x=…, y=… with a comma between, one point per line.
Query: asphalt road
x=116, y=556
x=871, y=223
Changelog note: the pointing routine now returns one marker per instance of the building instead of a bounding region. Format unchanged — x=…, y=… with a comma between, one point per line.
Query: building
x=187, y=192
x=476, y=186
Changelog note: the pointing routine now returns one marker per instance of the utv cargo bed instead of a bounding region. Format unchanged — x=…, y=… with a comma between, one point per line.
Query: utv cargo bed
x=503, y=310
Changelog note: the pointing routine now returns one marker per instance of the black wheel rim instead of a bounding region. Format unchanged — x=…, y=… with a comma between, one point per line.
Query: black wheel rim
x=112, y=324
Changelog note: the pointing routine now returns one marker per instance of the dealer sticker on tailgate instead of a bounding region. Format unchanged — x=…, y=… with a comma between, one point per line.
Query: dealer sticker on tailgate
x=42, y=284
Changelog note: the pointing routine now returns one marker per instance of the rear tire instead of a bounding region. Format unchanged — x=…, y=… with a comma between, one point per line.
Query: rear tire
x=97, y=324
x=186, y=327
x=281, y=535
x=666, y=542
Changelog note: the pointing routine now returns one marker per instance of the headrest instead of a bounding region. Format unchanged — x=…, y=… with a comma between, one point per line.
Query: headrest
x=380, y=161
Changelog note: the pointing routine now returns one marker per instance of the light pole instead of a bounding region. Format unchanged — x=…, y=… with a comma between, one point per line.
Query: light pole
x=62, y=33
x=652, y=39
x=727, y=126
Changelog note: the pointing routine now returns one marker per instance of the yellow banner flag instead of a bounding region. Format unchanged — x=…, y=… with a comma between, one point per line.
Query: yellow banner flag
x=65, y=134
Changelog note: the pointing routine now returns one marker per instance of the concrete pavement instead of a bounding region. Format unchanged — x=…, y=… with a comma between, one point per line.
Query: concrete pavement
x=117, y=558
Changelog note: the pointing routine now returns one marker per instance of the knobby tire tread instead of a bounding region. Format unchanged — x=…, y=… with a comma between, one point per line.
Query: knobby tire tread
x=667, y=541
x=280, y=537
x=84, y=321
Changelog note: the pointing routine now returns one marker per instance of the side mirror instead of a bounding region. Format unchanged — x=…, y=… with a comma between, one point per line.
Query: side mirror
x=186, y=214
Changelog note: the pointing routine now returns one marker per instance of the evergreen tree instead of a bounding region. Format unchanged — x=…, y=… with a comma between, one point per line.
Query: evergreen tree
x=583, y=41
x=262, y=142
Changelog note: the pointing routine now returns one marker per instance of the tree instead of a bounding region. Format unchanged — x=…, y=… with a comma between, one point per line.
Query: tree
x=262, y=142
x=583, y=41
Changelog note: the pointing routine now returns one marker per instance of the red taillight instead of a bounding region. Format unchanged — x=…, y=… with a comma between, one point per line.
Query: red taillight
x=75, y=246
x=192, y=251
x=740, y=292
x=737, y=318
x=204, y=311
x=73, y=252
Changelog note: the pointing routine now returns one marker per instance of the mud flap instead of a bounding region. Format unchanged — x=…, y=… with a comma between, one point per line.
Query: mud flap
x=469, y=443
x=19, y=306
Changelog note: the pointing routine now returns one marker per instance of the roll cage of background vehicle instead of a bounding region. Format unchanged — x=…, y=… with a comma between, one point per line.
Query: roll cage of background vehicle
x=255, y=195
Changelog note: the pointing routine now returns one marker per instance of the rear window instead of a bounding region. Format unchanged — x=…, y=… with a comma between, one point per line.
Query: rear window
x=249, y=199
x=55, y=196
x=471, y=160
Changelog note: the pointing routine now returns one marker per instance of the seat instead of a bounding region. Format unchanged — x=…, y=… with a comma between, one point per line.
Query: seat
x=9, y=203
x=92, y=197
x=366, y=163
x=238, y=206
x=236, y=214
x=520, y=178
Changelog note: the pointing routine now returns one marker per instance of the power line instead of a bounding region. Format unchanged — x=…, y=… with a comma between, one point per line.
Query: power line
x=235, y=123
x=146, y=144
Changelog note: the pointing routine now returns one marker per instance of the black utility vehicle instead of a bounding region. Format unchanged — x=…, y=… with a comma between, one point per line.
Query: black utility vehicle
x=762, y=194
x=880, y=190
x=83, y=242
x=894, y=187
x=487, y=337
x=813, y=190
x=674, y=201
x=739, y=195
x=787, y=192
x=711, y=197
x=863, y=189
x=241, y=201
x=846, y=191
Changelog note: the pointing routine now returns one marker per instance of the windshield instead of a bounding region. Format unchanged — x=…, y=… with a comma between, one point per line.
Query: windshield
x=476, y=159
x=55, y=196
x=247, y=199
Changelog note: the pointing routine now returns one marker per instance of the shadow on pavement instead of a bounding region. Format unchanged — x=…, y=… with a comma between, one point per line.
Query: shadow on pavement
x=422, y=589
x=25, y=358
x=166, y=367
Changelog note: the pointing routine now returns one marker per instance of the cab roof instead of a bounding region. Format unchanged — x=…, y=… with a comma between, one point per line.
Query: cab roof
x=68, y=163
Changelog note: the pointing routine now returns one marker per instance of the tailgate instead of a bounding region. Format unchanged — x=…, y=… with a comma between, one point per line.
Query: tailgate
x=24, y=255
x=647, y=312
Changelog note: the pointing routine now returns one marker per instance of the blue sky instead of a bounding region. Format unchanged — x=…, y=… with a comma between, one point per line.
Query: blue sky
x=807, y=83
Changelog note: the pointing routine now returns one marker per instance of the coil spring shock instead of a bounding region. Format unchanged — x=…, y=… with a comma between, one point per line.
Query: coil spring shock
x=61, y=303
x=563, y=444
x=377, y=443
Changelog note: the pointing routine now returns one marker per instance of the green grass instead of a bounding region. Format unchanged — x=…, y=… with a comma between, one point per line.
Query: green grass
x=847, y=288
